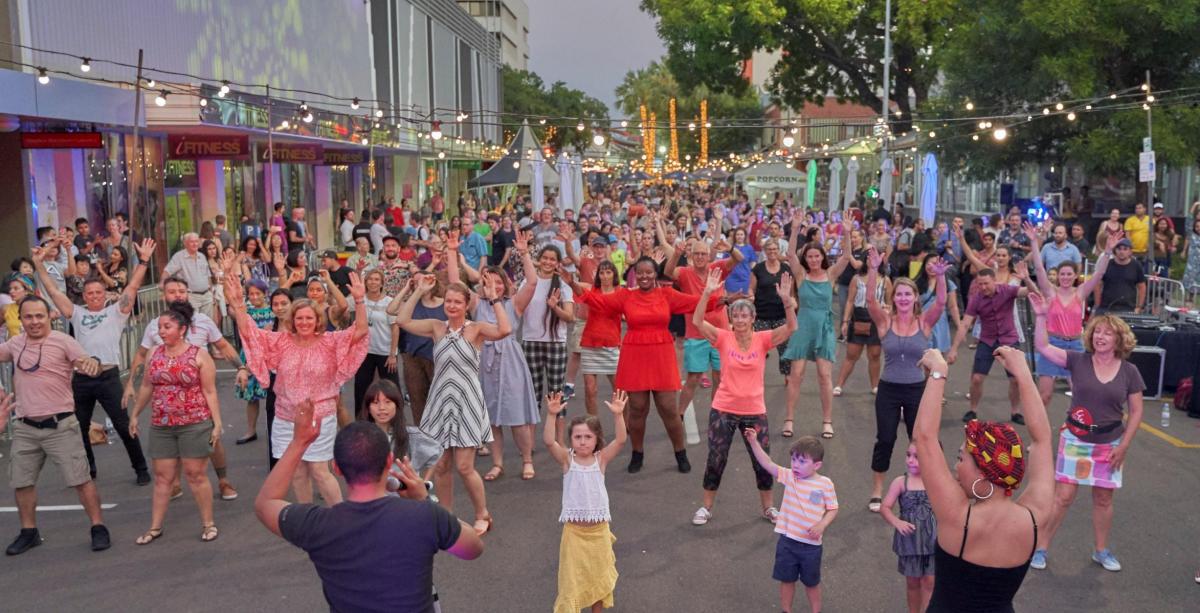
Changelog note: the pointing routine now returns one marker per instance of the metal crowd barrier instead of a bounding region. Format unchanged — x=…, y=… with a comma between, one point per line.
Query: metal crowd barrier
x=1162, y=292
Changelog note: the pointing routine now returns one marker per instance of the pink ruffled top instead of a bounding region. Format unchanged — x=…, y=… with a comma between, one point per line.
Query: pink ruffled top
x=316, y=371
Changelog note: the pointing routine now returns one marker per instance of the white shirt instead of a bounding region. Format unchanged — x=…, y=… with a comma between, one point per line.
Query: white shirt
x=99, y=332
x=379, y=326
x=535, y=320
x=347, y=231
x=378, y=231
x=202, y=333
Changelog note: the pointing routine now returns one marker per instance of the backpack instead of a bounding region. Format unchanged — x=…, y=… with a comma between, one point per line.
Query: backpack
x=1183, y=394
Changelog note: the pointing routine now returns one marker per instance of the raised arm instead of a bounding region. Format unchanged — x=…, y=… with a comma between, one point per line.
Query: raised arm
x=420, y=327
x=502, y=327
x=145, y=251
x=554, y=407
x=793, y=259
x=617, y=406
x=1039, y=452
x=760, y=455
x=968, y=252
x=930, y=317
x=64, y=304
x=358, y=292
x=1039, y=267
x=948, y=500
x=844, y=258
x=879, y=315
x=706, y=329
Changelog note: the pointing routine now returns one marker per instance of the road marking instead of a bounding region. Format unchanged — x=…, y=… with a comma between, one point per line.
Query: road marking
x=58, y=507
x=1167, y=437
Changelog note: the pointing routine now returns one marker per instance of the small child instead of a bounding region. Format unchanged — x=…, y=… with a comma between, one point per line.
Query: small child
x=809, y=506
x=587, y=566
x=916, y=531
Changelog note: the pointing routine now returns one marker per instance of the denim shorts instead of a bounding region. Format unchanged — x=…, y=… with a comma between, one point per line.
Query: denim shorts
x=795, y=560
x=1046, y=368
x=984, y=358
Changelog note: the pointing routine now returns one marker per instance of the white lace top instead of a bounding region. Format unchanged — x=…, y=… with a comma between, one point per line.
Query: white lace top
x=585, y=499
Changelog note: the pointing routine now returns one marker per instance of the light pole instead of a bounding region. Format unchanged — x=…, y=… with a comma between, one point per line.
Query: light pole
x=887, y=68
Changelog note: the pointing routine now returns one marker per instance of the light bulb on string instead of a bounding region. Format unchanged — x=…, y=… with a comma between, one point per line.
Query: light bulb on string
x=624, y=124
x=1058, y=107
x=308, y=117
x=579, y=126
x=379, y=112
x=1071, y=116
x=516, y=163
x=204, y=102
x=1112, y=97
x=43, y=77
x=1087, y=108
x=692, y=127
x=932, y=134
x=970, y=106
x=150, y=83
x=788, y=141
x=598, y=140
x=441, y=155
x=1000, y=134
x=974, y=137
x=436, y=132
x=224, y=89
x=354, y=104
x=161, y=98
x=85, y=64
x=542, y=121
x=1045, y=111
x=1150, y=98
x=285, y=125
x=1145, y=107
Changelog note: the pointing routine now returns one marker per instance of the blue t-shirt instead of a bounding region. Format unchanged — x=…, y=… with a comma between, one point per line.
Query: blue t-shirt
x=738, y=280
x=474, y=249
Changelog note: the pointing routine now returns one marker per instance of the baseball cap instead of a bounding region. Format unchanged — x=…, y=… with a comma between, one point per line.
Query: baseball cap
x=1124, y=243
x=390, y=237
x=329, y=253
x=599, y=240
x=1158, y=205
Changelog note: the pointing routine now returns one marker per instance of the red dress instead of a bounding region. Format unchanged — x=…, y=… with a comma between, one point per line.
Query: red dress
x=647, y=361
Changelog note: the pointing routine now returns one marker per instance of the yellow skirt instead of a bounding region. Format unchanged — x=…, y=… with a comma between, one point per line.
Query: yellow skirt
x=587, y=567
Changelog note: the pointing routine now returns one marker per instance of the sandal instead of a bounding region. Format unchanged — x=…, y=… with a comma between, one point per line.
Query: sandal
x=827, y=429
x=527, y=471
x=486, y=525
x=210, y=533
x=874, y=504
x=787, y=429
x=150, y=536
x=495, y=473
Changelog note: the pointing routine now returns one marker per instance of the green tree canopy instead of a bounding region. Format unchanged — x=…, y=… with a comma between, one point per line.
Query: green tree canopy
x=654, y=86
x=1016, y=58
x=526, y=95
x=828, y=46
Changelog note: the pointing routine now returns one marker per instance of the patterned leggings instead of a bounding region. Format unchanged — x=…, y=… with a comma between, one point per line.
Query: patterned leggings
x=547, y=365
x=785, y=366
x=722, y=428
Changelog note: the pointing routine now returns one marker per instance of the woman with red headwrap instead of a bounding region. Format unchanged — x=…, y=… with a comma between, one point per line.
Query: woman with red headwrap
x=993, y=553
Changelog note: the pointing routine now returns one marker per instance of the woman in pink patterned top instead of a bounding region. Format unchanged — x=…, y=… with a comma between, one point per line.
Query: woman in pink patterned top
x=185, y=420
x=310, y=363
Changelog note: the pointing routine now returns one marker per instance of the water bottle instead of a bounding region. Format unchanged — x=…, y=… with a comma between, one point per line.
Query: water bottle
x=1166, y=415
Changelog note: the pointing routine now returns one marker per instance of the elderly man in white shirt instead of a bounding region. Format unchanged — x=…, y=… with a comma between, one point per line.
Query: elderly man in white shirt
x=191, y=266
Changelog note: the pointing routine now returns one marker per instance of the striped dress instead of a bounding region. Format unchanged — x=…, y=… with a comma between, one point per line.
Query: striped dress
x=455, y=414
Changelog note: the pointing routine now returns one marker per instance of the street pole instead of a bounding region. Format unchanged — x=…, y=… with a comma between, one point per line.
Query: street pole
x=887, y=67
x=268, y=170
x=1150, y=193
x=137, y=142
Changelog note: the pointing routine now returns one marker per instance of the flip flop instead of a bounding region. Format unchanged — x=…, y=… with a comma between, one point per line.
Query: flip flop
x=150, y=536
x=827, y=429
x=495, y=473
x=787, y=430
x=527, y=471
x=210, y=533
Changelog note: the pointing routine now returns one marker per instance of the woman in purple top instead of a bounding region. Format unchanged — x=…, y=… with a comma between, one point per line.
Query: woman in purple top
x=1096, y=435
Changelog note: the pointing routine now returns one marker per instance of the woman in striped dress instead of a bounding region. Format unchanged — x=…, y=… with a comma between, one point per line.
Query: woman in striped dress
x=455, y=413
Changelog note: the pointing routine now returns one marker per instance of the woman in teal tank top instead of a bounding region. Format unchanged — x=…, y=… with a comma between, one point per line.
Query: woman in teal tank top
x=814, y=339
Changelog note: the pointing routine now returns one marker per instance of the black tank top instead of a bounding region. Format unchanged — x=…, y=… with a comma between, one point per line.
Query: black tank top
x=960, y=585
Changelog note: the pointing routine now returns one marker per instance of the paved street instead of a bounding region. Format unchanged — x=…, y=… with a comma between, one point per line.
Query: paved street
x=664, y=561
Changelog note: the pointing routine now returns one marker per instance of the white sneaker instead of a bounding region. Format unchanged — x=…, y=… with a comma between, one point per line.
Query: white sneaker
x=874, y=391
x=701, y=517
x=837, y=391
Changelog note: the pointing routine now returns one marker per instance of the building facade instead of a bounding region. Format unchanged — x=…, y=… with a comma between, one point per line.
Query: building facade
x=294, y=104
x=507, y=21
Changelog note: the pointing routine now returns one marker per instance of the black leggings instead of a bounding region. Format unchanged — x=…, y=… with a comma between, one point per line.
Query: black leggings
x=270, y=421
x=722, y=428
x=893, y=401
x=373, y=366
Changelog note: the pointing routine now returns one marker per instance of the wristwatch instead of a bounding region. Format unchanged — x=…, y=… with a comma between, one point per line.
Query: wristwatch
x=936, y=375
x=493, y=301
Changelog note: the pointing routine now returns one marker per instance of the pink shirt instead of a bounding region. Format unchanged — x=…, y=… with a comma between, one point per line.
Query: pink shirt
x=1065, y=320
x=314, y=372
x=805, y=503
x=47, y=390
x=741, y=389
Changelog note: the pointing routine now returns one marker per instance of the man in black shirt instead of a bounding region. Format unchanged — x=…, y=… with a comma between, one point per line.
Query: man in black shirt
x=338, y=274
x=1123, y=287
x=373, y=552
x=363, y=228
x=881, y=213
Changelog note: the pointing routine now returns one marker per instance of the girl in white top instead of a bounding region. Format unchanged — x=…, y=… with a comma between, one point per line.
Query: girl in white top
x=587, y=566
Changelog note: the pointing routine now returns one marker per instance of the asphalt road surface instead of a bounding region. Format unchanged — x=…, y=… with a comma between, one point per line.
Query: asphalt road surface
x=665, y=562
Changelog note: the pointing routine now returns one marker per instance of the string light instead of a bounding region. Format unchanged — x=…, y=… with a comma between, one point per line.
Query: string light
x=932, y=134
x=1071, y=116
x=579, y=126
x=516, y=163
x=692, y=126
x=285, y=125
x=161, y=98
x=204, y=102
x=999, y=134
x=43, y=78
x=1150, y=98
x=624, y=124
x=221, y=93
x=542, y=121
x=788, y=141
x=150, y=83
x=308, y=117
x=1058, y=107
x=973, y=137
x=441, y=155
x=1045, y=111
x=85, y=64
x=598, y=140
x=436, y=132
x=970, y=106
x=354, y=104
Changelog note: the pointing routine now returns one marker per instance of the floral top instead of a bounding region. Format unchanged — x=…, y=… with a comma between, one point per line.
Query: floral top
x=178, y=399
x=315, y=372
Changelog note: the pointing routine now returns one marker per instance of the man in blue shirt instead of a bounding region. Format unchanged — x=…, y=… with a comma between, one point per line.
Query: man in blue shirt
x=472, y=246
x=1060, y=250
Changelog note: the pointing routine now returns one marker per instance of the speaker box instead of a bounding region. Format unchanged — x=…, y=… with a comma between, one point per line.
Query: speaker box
x=1150, y=362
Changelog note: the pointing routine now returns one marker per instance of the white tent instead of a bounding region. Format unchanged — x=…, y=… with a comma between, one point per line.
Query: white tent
x=773, y=175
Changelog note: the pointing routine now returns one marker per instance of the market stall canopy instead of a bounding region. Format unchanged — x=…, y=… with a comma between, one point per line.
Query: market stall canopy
x=677, y=175
x=711, y=174
x=633, y=177
x=504, y=172
x=772, y=174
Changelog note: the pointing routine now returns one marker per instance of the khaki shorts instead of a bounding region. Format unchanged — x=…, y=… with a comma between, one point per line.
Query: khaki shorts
x=31, y=446
x=175, y=442
x=575, y=335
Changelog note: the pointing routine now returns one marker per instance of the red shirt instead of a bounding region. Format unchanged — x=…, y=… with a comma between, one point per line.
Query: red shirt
x=691, y=284
x=602, y=327
x=397, y=214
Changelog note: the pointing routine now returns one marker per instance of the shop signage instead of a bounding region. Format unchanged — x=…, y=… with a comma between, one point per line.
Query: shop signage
x=61, y=140
x=345, y=157
x=208, y=146
x=466, y=164
x=292, y=153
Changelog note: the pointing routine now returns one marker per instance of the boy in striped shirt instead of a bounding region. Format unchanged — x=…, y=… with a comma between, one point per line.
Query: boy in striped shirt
x=809, y=506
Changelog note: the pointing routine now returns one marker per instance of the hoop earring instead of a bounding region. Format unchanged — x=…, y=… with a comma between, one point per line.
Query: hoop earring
x=990, y=491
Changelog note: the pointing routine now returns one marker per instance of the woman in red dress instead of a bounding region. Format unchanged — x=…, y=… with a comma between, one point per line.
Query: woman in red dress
x=647, y=366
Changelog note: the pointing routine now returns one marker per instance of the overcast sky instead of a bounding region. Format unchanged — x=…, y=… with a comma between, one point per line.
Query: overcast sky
x=590, y=44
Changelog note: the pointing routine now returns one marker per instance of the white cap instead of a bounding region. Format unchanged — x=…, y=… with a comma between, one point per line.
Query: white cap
x=1158, y=205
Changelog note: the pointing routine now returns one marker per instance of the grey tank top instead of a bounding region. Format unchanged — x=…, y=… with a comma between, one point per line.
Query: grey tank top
x=900, y=357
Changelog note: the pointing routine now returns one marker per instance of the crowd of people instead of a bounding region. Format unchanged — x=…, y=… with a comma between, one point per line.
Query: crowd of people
x=451, y=329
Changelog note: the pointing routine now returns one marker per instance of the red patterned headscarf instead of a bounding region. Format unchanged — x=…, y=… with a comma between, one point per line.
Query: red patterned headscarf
x=996, y=448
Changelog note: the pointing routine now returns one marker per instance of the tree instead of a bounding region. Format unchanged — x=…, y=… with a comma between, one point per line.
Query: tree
x=828, y=46
x=654, y=86
x=1011, y=60
x=526, y=96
